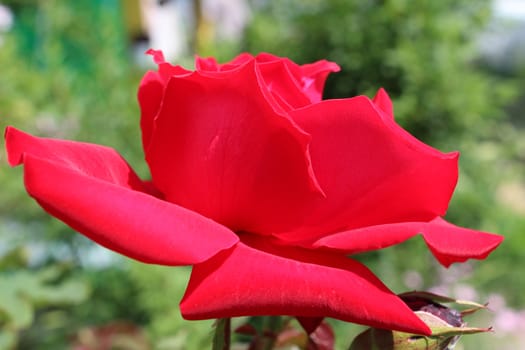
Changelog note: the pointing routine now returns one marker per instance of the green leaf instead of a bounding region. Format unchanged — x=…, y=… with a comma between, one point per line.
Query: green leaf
x=15, y=307
x=22, y=291
x=7, y=340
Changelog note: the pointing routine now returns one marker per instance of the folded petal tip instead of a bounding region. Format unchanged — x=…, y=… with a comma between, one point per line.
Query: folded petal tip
x=158, y=56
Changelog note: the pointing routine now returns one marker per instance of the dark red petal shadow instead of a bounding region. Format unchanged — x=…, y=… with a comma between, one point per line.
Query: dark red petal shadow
x=260, y=279
x=220, y=148
x=448, y=243
x=93, y=190
x=309, y=324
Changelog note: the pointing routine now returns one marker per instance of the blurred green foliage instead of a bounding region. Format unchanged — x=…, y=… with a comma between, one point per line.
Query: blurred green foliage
x=67, y=72
x=421, y=52
x=24, y=290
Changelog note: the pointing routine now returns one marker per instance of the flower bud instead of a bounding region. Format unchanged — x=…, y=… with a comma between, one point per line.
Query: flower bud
x=446, y=323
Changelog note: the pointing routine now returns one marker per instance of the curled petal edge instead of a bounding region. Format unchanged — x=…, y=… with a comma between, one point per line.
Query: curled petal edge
x=448, y=243
x=292, y=281
x=93, y=190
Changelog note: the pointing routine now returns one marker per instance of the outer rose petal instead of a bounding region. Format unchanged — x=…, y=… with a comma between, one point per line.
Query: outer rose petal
x=260, y=279
x=150, y=94
x=384, y=103
x=448, y=243
x=209, y=64
x=151, y=91
x=314, y=77
x=280, y=81
x=206, y=64
x=219, y=148
x=451, y=244
x=166, y=69
x=309, y=77
x=282, y=75
x=372, y=171
x=93, y=190
x=158, y=56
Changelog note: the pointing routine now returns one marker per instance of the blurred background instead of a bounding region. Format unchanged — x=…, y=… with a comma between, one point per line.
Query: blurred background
x=70, y=69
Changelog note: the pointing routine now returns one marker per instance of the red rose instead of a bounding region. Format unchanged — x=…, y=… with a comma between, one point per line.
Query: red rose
x=263, y=187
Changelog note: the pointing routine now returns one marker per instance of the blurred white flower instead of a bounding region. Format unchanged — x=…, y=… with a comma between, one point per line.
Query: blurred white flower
x=229, y=16
x=6, y=18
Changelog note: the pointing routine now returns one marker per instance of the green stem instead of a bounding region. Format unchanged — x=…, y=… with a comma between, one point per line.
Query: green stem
x=271, y=329
x=221, y=338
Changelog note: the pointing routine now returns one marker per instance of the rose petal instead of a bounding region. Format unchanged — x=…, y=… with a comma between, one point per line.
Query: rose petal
x=206, y=64
x=158, y=56
x=255, y=278
x=166, y=69
x=370, y=237
x=310, y=77
x=371, y=171
x=97, y=161
x=280, y=81
x=209, y=64
x=265, y=57
x=220, y=148
x=384, y=103
x=314, y=77
x=448, y=243
x=295, y=85
x=151, y=90
x=93, y=190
